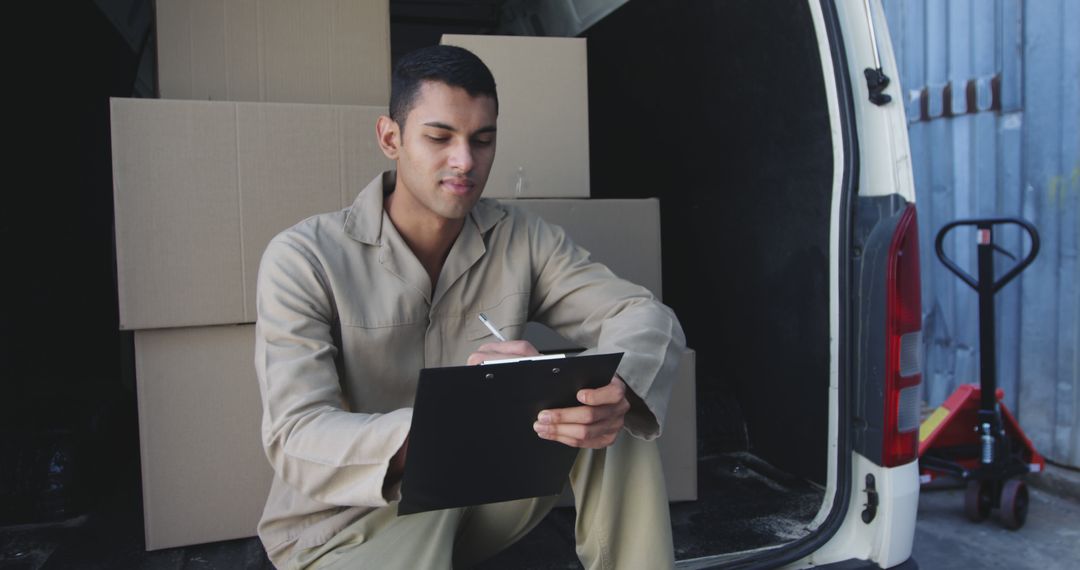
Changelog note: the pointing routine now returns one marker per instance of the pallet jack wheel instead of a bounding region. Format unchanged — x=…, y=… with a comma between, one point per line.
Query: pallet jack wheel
x=1014, y=504
x=977, y=501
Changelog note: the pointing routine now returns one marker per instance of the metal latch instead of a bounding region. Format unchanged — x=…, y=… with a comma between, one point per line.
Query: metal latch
x=876, y=80
x=871, y=504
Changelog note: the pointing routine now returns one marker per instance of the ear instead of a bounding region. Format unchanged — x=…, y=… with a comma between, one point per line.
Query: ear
x=388, y=134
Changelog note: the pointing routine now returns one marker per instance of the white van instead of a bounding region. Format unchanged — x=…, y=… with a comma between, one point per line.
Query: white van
x=780, y=158
x=774, y=135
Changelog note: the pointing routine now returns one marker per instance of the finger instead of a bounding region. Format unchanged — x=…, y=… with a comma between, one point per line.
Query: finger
x=610, y=394
x=580, y=436
x=476, y=358
x=579, y=414
x=598, y=443
x=510, y=347
x=480, y=357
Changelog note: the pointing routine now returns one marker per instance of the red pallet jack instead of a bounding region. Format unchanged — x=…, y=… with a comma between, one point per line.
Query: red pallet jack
x=973, y=436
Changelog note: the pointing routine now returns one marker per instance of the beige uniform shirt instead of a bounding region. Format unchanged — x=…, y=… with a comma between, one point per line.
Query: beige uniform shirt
x=347, y=318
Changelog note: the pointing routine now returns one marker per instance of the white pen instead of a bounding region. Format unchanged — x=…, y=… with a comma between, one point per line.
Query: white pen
x=491, y=327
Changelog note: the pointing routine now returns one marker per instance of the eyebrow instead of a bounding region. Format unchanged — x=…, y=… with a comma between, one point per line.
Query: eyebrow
x=439, y=125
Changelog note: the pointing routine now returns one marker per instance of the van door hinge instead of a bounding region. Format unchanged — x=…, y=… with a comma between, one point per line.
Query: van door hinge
x=871, y=504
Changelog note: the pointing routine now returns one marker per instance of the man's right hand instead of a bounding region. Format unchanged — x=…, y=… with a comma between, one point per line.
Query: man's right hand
x=500, y=350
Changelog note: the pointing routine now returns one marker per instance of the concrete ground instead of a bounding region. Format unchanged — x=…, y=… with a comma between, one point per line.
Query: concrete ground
x=1050, y=540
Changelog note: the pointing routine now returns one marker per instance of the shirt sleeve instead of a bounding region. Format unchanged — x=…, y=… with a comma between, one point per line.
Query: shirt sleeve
x=314, y=443
x=588, y=304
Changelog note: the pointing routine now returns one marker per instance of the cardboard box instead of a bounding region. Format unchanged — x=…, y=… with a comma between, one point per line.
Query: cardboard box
x=201, y=187
x=204, y=474
x=623, y=234
x=543, y=142
x=633, y=255
x=205, y=477
x=678, y=442
x=316, y=51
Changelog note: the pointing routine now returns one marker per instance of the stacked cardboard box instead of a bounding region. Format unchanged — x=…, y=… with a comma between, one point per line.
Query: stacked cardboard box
x=316, y=51
x=265, y=118
x=201, y=187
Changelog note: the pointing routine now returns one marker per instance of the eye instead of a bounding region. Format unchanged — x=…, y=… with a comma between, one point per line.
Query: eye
x=437, y=139
x=483, y=142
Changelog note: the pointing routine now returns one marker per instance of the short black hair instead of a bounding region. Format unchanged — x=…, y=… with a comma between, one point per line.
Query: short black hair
x=452, y=65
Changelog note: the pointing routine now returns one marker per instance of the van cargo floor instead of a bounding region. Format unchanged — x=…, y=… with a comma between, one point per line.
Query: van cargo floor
x=743, y=504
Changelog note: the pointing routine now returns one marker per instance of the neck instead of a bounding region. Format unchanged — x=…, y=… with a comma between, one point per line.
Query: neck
x=429, y=236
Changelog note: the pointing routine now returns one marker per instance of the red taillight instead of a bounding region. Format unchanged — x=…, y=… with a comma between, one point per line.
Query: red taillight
x=903, y=351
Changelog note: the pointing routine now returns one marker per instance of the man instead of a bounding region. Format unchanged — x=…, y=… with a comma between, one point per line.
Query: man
x=351, y=305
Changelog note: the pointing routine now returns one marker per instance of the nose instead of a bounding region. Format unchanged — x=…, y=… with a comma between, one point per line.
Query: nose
x=461, y=157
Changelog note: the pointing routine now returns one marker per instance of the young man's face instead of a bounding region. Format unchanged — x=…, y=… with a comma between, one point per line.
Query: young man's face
x=446, y=150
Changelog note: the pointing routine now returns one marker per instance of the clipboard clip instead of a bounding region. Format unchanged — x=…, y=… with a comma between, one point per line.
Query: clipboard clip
x=491, y=375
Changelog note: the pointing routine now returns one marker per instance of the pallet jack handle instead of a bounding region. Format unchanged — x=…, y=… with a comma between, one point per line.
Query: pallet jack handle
x=986, y=287
x=987, y=225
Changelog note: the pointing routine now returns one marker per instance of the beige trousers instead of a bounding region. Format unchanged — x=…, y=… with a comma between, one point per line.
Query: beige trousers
x=622, y=522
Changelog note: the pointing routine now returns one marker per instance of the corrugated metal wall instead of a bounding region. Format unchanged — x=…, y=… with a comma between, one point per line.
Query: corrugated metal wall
x=993, y=107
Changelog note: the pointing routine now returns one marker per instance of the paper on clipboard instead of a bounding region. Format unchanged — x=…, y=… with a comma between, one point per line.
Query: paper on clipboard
x=472, y=440
x=525, y=359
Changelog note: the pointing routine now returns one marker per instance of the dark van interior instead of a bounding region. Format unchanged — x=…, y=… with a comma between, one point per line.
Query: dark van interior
x=721, y=105
x=718, y=108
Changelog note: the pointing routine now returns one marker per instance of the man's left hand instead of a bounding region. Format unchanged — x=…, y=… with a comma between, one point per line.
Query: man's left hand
x=595, y=425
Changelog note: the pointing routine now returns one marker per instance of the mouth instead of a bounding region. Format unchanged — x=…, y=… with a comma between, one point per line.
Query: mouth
x=458, y=186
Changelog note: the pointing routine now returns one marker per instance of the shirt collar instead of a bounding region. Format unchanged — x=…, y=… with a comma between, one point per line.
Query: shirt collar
x=365, y=217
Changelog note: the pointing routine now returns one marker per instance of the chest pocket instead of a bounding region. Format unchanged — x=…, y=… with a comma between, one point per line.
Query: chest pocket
x=509, y=315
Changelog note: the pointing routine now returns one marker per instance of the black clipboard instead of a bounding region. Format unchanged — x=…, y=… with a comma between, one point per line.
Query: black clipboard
x=472, y=440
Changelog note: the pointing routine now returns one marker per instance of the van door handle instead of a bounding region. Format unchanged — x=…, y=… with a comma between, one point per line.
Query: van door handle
x=871, y=504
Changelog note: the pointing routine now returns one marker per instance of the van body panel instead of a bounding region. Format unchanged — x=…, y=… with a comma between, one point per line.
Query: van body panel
x=898, y=496
x=888, y=538
x=884, y=151
x=835, y=230
x=885, y=186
